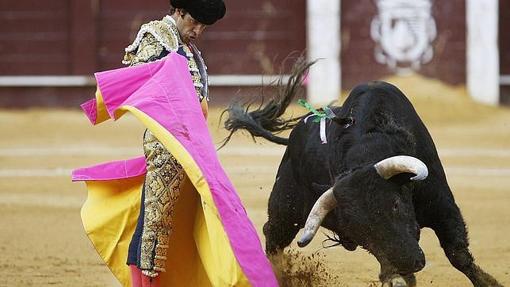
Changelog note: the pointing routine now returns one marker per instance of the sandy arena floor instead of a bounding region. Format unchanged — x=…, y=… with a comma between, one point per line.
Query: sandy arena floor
x=43, y=244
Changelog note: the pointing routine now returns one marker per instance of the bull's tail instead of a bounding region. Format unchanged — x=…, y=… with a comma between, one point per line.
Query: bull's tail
x=266, y=121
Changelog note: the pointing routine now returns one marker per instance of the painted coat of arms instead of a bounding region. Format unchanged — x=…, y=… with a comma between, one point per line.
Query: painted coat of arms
x=404, y=31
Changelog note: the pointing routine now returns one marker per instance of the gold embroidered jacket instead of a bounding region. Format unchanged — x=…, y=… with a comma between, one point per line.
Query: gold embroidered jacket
x=158, y=38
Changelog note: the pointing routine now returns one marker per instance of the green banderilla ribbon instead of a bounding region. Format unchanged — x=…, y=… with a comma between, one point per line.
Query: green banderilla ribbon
x=325, y=113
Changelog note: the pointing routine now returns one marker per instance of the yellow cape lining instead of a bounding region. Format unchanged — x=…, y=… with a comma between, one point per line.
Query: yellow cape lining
x=199, y=254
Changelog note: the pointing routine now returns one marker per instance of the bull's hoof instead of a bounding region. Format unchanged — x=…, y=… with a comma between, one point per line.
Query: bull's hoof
x=396, y=281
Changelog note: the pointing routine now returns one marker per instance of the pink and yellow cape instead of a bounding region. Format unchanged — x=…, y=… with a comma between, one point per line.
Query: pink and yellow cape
x=213, y=242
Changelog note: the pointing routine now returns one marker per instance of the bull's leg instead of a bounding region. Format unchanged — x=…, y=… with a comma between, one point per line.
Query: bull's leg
x=451, y=231
x=284, y=211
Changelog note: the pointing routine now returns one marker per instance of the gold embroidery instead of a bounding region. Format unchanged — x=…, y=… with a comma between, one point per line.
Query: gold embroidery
x=148, y=49
x=152, y=39
x=163, y=32
x=195, y=73
x=162, y=186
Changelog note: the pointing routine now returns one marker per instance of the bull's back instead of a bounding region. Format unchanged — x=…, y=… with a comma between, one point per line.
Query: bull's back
x=367, y=104
x=310, y=157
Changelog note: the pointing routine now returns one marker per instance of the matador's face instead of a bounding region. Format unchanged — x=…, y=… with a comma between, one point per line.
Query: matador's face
x=189, y=28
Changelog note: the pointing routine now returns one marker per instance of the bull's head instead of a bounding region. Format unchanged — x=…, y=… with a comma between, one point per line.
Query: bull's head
x=376, y=211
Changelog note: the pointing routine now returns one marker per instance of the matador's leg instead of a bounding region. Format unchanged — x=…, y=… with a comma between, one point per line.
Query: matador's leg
x=162, y=187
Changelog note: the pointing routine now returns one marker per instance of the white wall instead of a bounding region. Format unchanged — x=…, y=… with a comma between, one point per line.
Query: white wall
x=323, y=32
x=482, y=50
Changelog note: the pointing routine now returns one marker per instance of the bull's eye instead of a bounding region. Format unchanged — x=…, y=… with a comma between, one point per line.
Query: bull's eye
x=395, y=206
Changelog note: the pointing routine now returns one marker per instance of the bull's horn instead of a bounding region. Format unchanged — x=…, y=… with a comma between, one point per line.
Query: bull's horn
x=320, y=209
x=389, y=167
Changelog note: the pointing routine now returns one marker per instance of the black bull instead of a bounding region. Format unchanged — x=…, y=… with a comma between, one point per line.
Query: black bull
x=368, y=184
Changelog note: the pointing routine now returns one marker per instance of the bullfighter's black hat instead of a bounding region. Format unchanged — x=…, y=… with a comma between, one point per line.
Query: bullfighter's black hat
x=204, y=11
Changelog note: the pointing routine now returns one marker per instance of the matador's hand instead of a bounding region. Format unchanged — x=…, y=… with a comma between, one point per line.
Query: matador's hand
x=148, y=281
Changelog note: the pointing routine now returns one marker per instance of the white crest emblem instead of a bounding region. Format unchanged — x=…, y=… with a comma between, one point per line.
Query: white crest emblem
x=403, y=31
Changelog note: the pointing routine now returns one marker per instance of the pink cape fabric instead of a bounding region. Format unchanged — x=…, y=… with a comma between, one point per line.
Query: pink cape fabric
x=164, y=91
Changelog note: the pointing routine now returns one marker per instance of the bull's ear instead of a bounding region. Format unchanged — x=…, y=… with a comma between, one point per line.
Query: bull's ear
x=318, y=188
x=402, y=178
x=344, y=122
